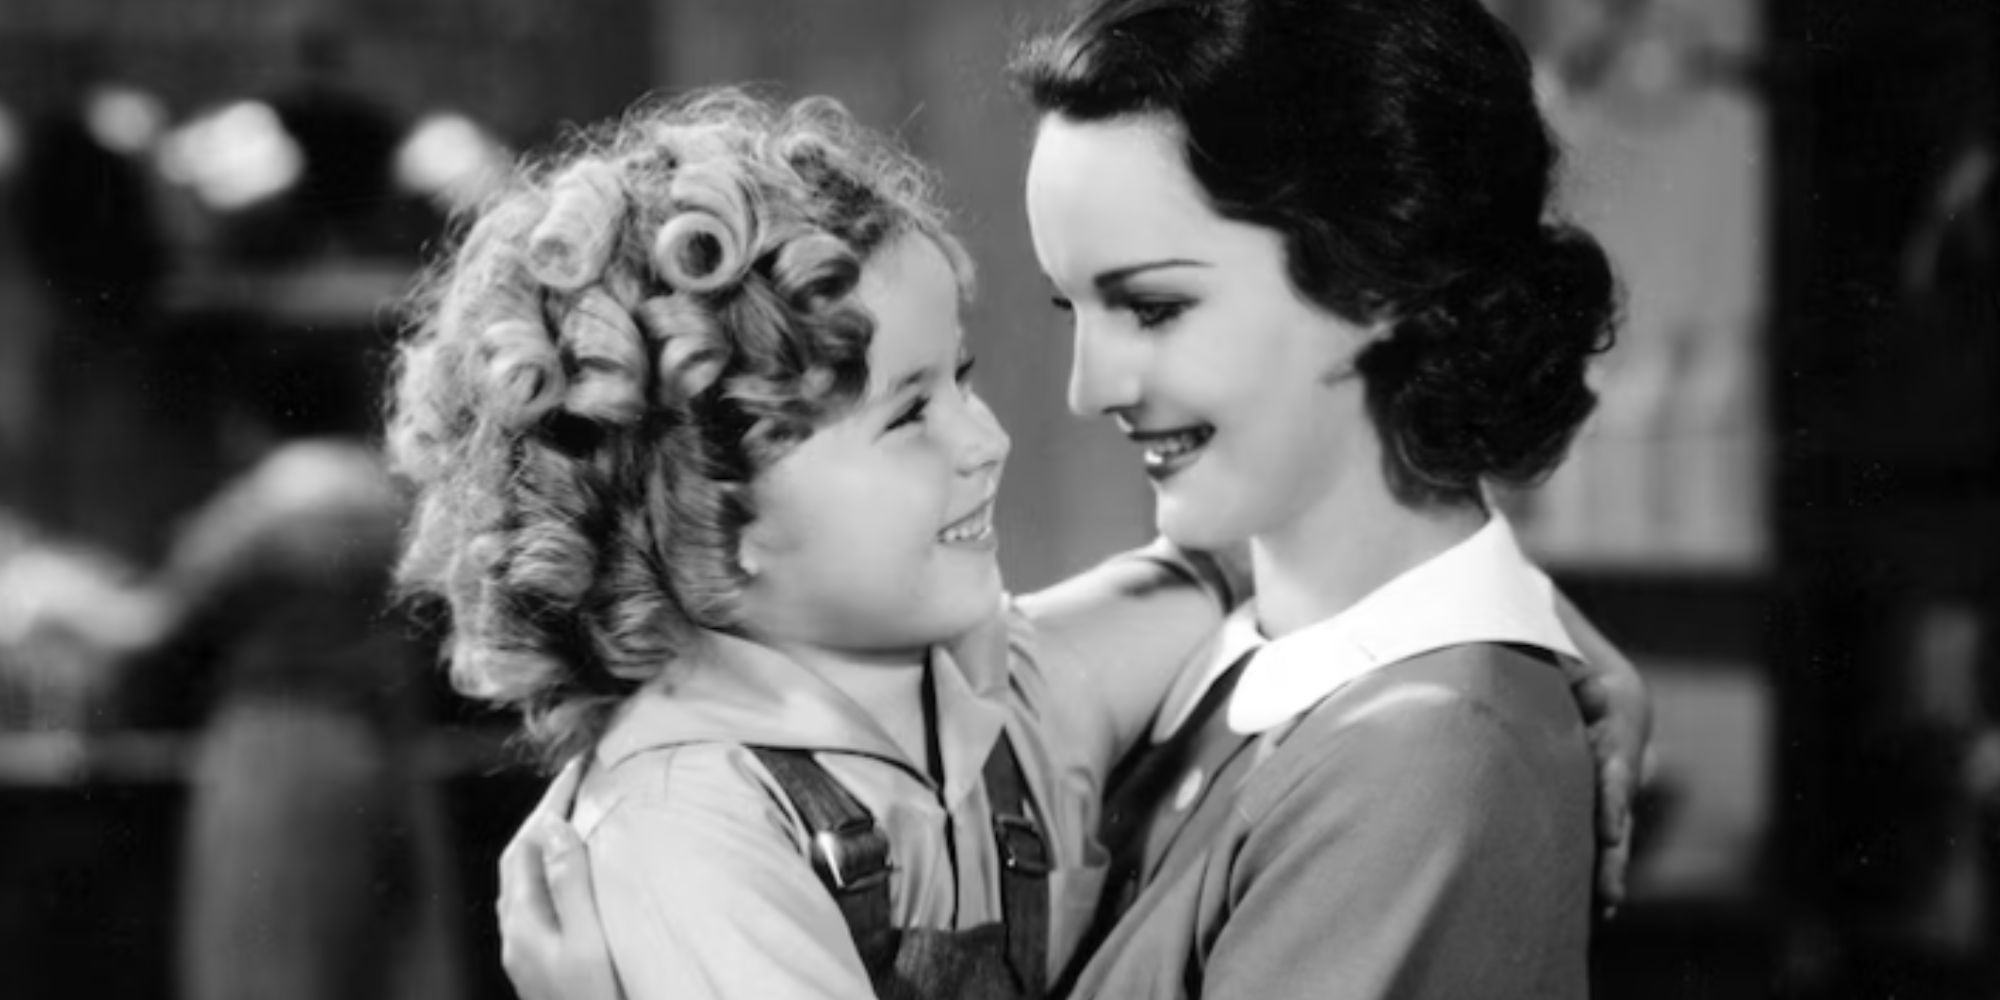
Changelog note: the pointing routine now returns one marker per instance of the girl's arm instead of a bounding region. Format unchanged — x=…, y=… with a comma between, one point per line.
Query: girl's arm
x=1116, y=635
x=1608, y=689
x=1121, y=631
x=1421, y=847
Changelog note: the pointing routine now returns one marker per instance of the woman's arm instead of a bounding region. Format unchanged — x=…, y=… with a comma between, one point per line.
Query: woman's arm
x=551, y=941
x=703, y=896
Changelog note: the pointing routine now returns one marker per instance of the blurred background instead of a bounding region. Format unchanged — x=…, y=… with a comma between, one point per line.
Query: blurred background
x=227, y=771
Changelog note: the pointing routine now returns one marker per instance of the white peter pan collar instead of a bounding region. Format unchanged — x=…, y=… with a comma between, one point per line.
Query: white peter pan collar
x=1482, y=590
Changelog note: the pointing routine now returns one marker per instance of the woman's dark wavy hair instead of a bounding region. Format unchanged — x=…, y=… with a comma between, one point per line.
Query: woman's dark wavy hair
x=1397, y=148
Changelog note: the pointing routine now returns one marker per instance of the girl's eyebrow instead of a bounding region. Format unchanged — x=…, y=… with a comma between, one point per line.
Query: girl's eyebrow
x=922, y=374
x=910, y=380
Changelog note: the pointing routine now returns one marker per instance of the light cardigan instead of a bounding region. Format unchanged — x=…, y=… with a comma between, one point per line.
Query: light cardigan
x=1413, y=819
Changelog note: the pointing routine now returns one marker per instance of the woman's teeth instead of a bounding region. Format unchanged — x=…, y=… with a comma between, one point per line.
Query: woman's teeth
x=1166, y=450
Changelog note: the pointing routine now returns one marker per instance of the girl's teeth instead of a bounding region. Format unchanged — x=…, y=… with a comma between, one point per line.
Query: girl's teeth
x=967, y=534
x=974, y=530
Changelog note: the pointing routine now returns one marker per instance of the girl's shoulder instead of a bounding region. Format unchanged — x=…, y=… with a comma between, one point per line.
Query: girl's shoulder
x=706, y=784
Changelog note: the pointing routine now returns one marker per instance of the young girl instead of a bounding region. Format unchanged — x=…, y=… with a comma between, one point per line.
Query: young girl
x=703, y=482
x=740, y=555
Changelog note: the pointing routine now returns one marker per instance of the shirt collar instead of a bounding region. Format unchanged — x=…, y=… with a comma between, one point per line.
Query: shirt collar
x=731, y=690
x=1239, y=635
x=1482, y=590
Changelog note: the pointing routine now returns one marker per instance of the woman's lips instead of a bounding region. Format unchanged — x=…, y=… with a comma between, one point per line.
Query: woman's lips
x=1169, y=451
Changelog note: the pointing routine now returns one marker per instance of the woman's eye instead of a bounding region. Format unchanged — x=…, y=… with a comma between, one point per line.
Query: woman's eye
x=912, y=414
x=963, y=376
x=1062, y=305
x=1155, y=314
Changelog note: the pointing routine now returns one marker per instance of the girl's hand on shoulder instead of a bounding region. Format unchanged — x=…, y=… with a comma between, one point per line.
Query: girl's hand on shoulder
x=552, y=943
x=1619, y=714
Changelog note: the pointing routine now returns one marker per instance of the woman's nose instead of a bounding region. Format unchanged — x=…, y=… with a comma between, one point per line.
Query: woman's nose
x=1103, y=374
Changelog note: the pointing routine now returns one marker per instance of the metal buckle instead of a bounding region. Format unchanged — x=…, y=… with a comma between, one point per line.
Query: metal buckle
x=1022, y=848
x=852, y=858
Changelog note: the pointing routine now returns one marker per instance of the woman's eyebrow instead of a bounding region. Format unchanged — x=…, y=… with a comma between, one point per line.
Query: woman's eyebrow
x=1108, y=281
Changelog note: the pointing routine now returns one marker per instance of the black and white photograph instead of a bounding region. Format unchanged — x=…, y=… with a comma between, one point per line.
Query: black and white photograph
x=999, y=499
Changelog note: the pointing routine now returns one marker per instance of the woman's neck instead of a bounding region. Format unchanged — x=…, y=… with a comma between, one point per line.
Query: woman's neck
x=1345, y=547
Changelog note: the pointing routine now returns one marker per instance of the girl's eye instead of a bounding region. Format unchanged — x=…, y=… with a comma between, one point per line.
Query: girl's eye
x=1152, y=314
x=1062, y=305
x=912, y=414
x=963, y=376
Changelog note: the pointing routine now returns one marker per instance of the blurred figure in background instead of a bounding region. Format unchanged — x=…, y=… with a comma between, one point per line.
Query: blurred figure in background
x=315, y=859
x=89, y=449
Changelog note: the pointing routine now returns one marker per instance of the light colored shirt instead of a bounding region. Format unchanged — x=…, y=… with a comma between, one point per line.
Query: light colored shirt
x=698, y=857
x=1412, y=818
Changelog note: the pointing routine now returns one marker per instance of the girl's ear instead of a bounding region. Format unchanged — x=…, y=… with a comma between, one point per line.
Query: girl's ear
x=751, y=549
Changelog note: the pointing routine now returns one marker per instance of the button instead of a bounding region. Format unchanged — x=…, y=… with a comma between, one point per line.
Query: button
x=1190, y=788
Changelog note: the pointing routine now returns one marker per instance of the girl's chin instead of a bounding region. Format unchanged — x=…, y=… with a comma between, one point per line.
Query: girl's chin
x=967, y=602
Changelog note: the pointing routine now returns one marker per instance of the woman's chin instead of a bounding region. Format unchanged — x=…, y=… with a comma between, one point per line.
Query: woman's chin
x=1193, y=526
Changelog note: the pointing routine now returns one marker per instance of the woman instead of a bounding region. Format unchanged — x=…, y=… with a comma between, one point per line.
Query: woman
x=1307, y=254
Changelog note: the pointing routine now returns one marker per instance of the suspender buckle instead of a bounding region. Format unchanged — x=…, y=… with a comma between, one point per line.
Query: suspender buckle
x=1022, y=848
x=853, y=857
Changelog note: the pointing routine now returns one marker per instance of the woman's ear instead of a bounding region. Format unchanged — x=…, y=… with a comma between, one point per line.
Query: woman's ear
x=1354, y=340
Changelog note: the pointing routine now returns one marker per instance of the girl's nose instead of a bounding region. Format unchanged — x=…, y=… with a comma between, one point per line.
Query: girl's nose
x=985, y=442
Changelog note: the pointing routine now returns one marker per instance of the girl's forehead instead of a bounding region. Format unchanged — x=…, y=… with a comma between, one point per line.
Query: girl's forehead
x=912, y=291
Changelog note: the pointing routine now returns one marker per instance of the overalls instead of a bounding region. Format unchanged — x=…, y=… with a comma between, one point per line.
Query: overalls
x=852, y=857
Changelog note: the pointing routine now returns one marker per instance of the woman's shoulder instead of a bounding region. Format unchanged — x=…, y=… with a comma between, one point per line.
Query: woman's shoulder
x=1474, y=726
x=1474, y=690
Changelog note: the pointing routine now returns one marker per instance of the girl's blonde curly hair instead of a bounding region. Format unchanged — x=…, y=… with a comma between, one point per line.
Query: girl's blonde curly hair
x=601, y=363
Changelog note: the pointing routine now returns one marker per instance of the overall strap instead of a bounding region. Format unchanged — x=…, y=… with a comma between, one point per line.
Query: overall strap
x=849, y=851
x=1024, y=868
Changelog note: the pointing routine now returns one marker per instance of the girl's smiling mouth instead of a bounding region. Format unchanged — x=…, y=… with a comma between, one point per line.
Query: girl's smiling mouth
x=974, y=529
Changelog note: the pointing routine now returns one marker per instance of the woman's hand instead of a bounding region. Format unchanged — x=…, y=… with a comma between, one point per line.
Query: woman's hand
x=1620, y=718
x=551, y=942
